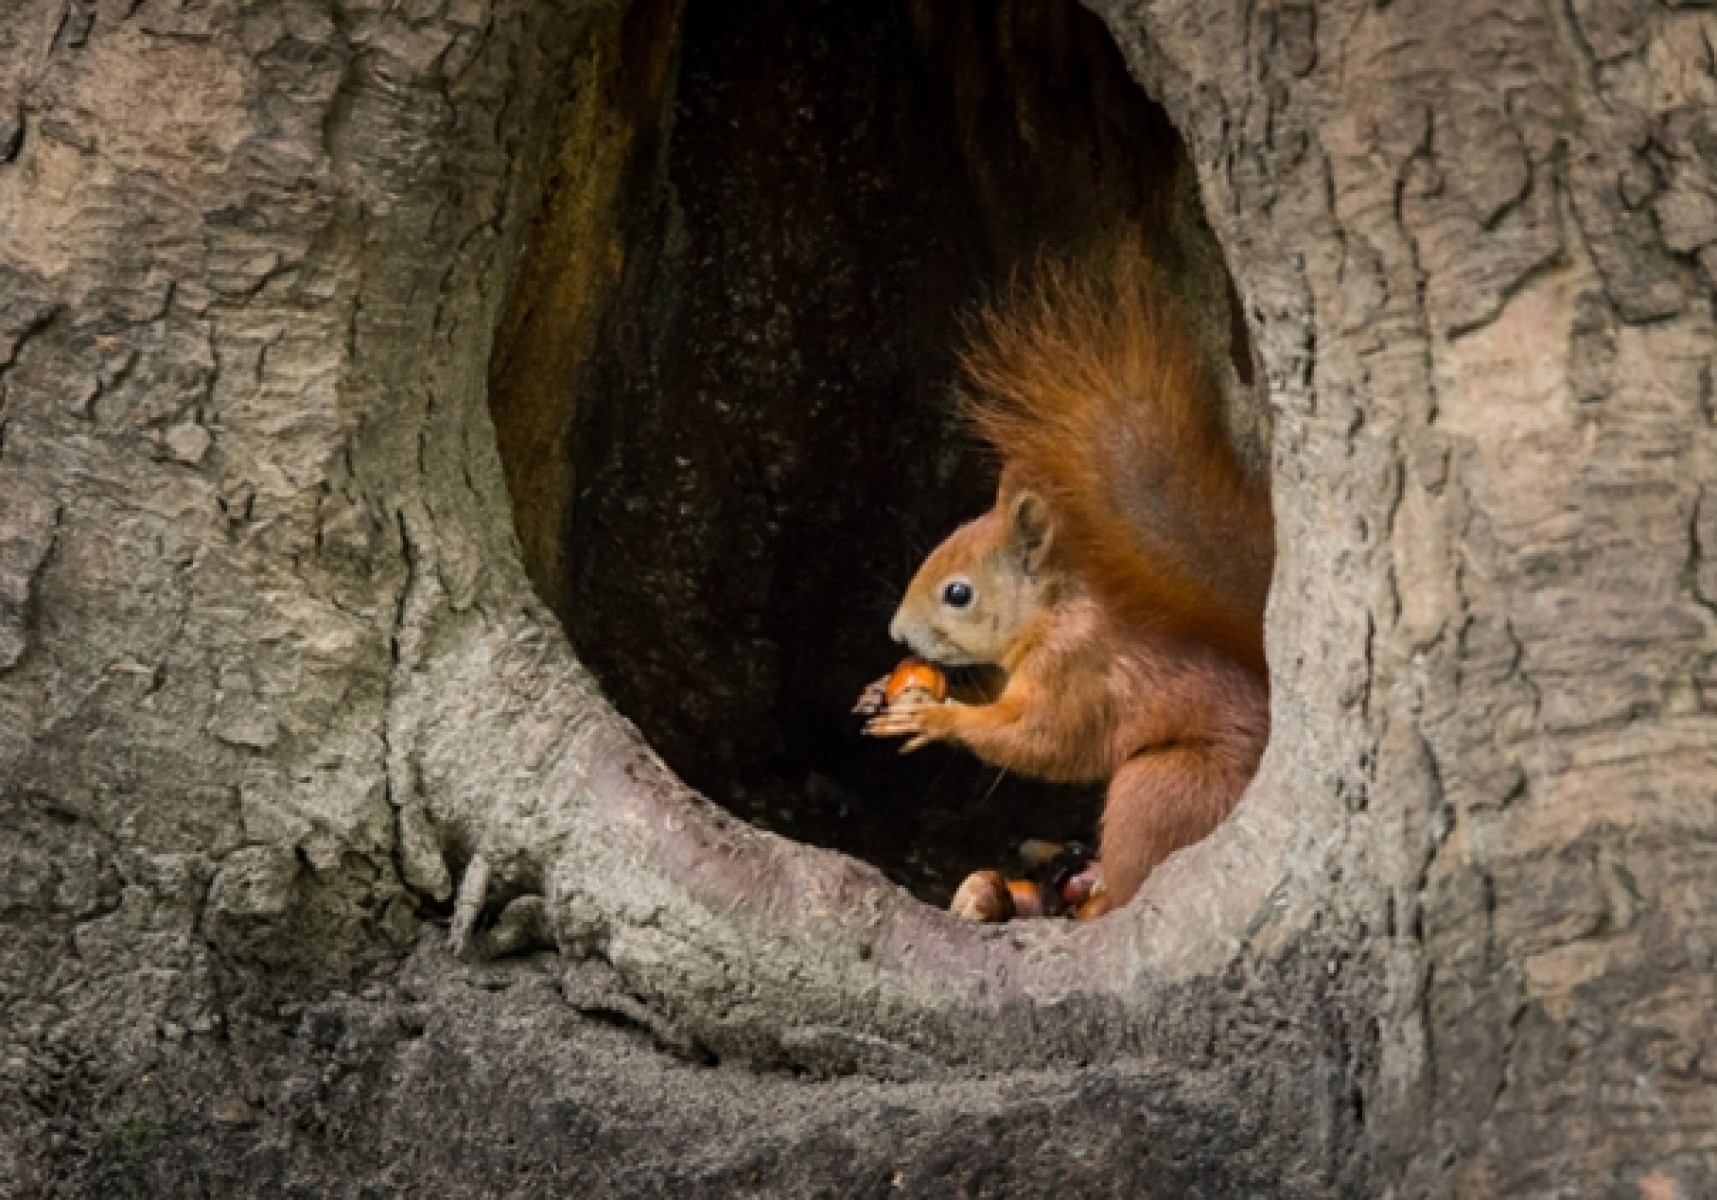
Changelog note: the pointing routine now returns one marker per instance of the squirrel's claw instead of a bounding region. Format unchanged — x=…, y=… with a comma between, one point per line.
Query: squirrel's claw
x=874, y=699
x=920, y=721
x=887, y=724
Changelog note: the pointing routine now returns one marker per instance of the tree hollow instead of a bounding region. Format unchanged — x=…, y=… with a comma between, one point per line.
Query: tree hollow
x=723, y=385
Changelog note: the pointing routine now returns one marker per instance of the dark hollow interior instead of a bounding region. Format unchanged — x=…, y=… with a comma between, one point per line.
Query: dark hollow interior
x=723, y=386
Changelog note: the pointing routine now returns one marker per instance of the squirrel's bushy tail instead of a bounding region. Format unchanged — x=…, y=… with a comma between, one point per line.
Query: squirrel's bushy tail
x=1094, y=394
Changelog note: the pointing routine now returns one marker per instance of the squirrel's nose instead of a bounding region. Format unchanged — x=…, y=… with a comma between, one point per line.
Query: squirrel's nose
x=897, y=629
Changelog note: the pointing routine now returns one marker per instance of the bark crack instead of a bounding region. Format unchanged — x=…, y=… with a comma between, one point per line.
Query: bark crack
x=1699, y=556
x=417, y=851
x=33, y=327
x=29, y=533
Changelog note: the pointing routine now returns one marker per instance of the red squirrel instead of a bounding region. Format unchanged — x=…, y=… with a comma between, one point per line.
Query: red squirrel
x=1118, y=582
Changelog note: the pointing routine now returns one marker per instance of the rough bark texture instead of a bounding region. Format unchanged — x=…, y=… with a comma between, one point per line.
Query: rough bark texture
x=278, y=703
x=1484, y=300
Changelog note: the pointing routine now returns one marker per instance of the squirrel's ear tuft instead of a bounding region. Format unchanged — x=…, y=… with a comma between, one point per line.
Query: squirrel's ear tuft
x=1029, y=530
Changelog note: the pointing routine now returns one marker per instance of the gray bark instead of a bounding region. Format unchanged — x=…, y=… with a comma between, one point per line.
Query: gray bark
x=280, y=711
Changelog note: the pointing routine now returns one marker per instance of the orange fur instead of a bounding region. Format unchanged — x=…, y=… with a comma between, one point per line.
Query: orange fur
x=1091, y=392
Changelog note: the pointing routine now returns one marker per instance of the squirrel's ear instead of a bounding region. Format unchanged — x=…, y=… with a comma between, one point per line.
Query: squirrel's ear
x=1030, y=529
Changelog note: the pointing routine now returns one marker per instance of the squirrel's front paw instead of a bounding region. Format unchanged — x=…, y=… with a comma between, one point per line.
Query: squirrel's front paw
x=874, y=698
x=917, y=718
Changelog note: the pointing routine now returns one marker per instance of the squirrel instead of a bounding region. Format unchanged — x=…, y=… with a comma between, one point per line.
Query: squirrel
x=1119, y=581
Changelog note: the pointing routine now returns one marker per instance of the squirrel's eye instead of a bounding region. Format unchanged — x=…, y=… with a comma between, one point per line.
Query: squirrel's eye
x=957, y=593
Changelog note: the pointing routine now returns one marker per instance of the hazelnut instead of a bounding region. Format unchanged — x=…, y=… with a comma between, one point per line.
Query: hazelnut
x=983, y=896
x=915, y=674
x=1032, y=899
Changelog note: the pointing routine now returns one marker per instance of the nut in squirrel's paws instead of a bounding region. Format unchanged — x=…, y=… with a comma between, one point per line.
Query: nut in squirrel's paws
x=906, y=703
x=915, y=676
x=913, y=679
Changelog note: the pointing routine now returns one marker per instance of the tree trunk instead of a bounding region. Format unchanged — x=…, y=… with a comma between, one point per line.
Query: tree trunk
x=327, y=868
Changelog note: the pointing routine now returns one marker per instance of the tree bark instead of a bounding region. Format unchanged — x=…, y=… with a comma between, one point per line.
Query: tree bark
x=281, y=716
x=1483, y=292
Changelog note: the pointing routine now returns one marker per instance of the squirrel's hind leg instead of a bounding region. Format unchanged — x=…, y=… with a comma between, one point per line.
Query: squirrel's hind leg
x=1159, y=802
